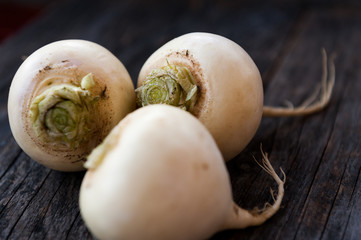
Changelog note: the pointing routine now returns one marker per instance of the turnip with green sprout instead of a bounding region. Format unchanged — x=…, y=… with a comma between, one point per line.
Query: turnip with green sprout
x=217, y=81
x=64, y=99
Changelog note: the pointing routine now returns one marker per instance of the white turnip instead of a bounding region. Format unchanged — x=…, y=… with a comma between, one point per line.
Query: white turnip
x=64, y=99
x=217, y=81
x=160, y=175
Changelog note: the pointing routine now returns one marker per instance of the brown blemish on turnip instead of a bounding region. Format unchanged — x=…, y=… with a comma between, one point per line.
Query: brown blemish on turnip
x=185, y=58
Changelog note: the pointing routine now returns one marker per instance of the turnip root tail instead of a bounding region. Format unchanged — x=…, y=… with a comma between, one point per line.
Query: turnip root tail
x=242, y=218
x=312, y=104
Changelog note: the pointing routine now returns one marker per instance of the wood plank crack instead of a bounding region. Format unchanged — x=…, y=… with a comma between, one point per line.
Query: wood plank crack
x=27, y=204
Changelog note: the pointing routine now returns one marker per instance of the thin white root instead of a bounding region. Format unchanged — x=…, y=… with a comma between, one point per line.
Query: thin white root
x=268, y=209
x=317, y=101
x=242, y=218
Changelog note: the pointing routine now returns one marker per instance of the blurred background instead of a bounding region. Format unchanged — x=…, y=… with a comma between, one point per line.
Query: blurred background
x=139, y=27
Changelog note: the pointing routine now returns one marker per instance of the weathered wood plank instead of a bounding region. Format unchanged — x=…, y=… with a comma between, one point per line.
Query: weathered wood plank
x=60, y=210
x=331, y=200
x=304, y=146
x=320, y=154
x=333, y=167
x=18, y=189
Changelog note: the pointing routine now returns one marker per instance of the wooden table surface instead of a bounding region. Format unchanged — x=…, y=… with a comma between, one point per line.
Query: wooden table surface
x=320, y=154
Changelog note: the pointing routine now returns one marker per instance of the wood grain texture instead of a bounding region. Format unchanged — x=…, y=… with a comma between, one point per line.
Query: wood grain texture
x=319, y=154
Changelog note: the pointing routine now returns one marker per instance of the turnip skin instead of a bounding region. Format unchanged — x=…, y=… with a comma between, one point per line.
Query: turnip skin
x=67, y=62
x=230, y=93
x=159, y=175
x=141, y=190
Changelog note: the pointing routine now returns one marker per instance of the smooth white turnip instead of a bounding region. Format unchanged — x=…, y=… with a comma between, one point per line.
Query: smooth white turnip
x=160, y=175
x=217, y=81
x=64, y=99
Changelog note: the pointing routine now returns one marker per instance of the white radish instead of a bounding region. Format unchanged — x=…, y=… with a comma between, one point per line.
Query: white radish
x=64, y=99
x=160, y=175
